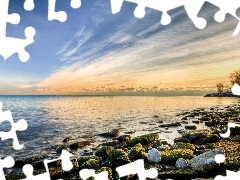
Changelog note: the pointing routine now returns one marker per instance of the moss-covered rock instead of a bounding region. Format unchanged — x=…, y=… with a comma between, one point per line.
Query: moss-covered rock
x=144, y=139
x=79, y=145
x=133, y=153
x=83, y=159
x=109, y=170
x=178, y=174
x=172, y=155
x=180, y=145
x=29, y=160
x=16, y=176
x=104, y=151
x=124, y=138
x=195, y=134
x=60, y=148
x=205, y=162
x=113, y=133
x=117, y=157
x=91, y=164
x=153, y=165
x=236, y=138
x=183, y=140
x=212, y=138
x=232, y=154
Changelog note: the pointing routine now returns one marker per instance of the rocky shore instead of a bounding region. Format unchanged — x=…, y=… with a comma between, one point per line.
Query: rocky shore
x=191, y=156
x=223, y=94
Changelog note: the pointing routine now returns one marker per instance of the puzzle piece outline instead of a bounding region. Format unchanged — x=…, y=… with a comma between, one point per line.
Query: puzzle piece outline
x=66, y=166
x=192, y=9
x=10, y=45
x=7, y=162
x=20, y=125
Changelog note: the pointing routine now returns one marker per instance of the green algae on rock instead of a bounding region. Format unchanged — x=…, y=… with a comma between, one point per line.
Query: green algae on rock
x=178, y=174
x=133, y=152
x=117, y=157
x=172, y=155
x=104, y=151
x=78, y=145
x=144, y=139
x=180, y=145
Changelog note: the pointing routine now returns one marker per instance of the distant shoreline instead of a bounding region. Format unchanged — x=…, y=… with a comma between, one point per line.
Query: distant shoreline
x=223, y=94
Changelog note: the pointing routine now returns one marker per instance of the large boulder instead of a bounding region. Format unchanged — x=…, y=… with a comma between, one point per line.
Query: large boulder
x=205, y=162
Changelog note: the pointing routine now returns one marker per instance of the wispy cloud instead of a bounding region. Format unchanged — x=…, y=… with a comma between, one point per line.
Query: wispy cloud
x=144, y=53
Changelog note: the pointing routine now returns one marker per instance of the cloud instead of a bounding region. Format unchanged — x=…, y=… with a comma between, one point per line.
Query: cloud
x=144, y=53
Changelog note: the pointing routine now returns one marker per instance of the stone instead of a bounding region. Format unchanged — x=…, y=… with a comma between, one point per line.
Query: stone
x=134, y=151
x=205, y=162
x=212, y=138
x=154, y=156
x=124, y=138
x=172, y=155
x=113, y=133
x=78, y=145
x=181, y=163
x=183, y=140
x=180, y=145
x=193, y=135
x=67, y=139
x=192, y=127
x=146, y=139
x=176, y=124
x=117, y=157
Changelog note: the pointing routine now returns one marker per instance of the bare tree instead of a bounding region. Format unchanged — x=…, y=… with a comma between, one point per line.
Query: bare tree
x=220, y=87
x=235, y=77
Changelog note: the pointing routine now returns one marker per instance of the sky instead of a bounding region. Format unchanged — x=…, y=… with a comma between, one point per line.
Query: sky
x=96, y=52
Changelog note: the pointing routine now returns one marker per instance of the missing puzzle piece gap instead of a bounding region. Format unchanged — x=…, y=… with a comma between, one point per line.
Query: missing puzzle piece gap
x=192, y=8
x=7, y=162
x=66, y=166
x=236, y=87
x=29, y=5
x=21, y=125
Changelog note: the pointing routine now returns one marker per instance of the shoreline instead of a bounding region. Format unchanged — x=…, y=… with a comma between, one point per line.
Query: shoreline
x=129, y=148
x=223, y=94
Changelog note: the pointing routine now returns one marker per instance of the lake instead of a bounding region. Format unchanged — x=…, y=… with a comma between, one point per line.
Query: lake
x=53, y=118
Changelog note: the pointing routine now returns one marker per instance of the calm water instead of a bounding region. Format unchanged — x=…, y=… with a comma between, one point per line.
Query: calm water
x=53, y=118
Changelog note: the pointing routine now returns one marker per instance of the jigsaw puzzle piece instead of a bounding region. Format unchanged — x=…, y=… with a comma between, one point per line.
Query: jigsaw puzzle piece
x=21, y=125
x=227, y=7
x=53, y=15
x=28, y=171
x=192, y=8
x=60, y=15
x=66, y=166
x=230, y=175
x=7, y=162
x=5, y=17
x=230, y=125
x=137, y=167
x=236, y=87
x=9, y=46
